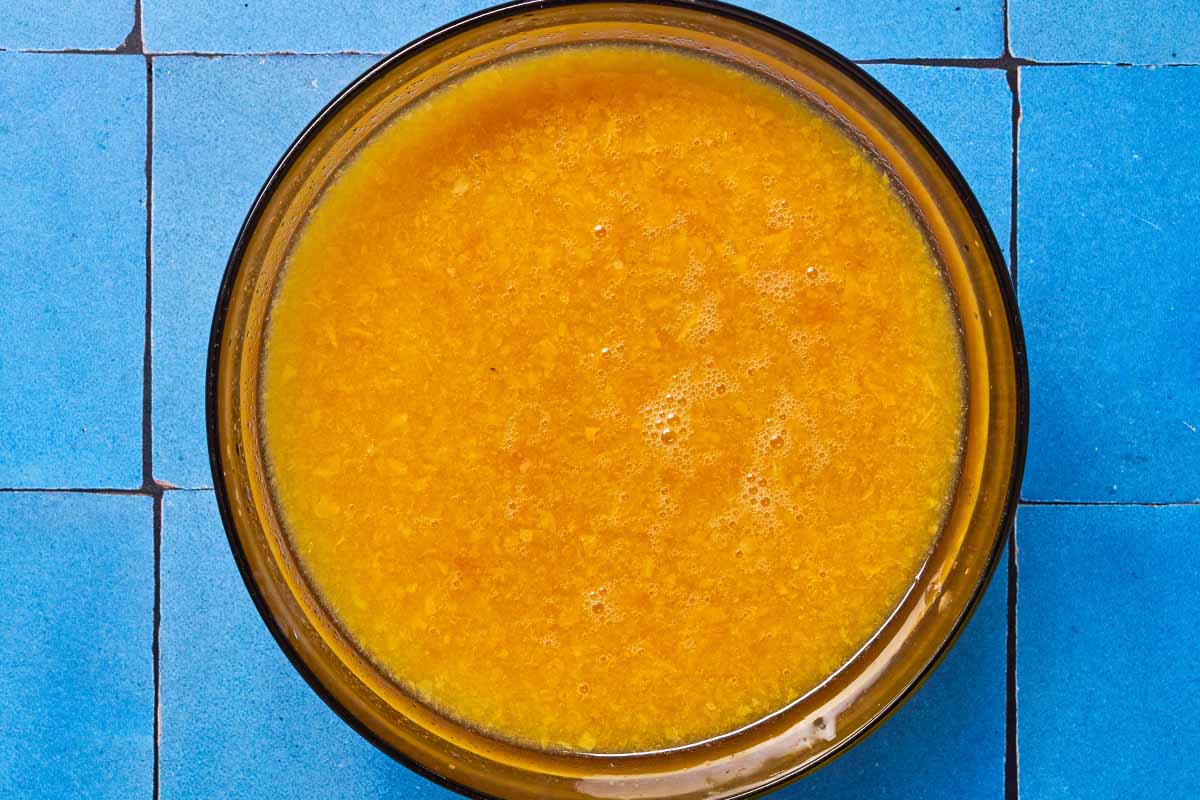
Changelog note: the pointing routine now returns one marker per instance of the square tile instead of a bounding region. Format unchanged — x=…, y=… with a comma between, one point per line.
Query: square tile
x=860, y=29
x=272, y=26
x=948, y=740
x=1107, y=686
x=76, y=667
x=219, y=127
x=238, y=722
x=969, y=111
x=1131, y=31
x=73, y=217
x=65, y=24
x=1109, y=211
x=896, y=28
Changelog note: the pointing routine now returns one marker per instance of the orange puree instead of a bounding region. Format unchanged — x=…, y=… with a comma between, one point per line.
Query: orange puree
x=613, y=398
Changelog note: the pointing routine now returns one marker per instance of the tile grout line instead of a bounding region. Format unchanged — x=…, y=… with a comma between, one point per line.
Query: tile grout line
x=1009, y=61
x=138, y=492
x=157, y=489
x=134, y=44
x=1110, y=503
x=1012, y=772
x=156, y=646
x=1002, y=63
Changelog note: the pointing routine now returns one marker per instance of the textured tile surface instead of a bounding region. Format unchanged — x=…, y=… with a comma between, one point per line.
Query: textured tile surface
x=948, y=739
x=76, y=667
x=64, y=24
x=860, y=28
x=238, y=722
x=220, y=125
x=72, y=269
x=1137, y=31
x=896, y=28
x=969, y=111
x=1109, y=216
x=324, y=26
x=1107, y=685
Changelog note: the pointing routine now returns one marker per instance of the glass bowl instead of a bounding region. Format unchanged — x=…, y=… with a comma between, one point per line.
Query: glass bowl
x=816, y=727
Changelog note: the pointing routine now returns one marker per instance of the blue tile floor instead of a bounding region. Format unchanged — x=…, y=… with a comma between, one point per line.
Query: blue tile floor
x=73, y=189
x=65, y=24
x=133, y=662
x=1108, y=286
x=1108, y=686
x=76, y=630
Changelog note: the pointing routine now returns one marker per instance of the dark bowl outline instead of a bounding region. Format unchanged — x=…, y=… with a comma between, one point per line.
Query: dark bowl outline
x=720, y=9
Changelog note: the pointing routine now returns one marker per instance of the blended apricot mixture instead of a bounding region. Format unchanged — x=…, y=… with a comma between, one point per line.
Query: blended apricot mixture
x=613, y=398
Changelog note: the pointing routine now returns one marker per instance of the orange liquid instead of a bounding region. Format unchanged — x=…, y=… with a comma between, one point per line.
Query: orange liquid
x=613, y=398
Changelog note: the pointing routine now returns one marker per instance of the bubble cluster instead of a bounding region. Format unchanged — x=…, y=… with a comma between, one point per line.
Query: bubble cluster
x=779, y=285
x=698, y=323
x=779, y=215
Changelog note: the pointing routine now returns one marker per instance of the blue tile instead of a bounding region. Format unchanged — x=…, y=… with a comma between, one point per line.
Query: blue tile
x=238, y=722
x=1109, y=212
x=1131, y=31
x=325, y=26
x=76, y=666
x=969, y=111
x=72, y=214
x=1107, y=686
x=861, y=29
x=896, y=28
x=948, y=740
x=65, y=24
x=219, y=127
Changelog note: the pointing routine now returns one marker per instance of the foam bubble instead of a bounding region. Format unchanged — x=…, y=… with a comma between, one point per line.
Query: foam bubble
x=779, y=215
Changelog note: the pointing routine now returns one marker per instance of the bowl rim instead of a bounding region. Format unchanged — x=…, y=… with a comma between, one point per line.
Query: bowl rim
x=718, y=8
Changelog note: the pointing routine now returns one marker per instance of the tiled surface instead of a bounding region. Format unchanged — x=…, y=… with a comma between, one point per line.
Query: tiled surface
x=72, y=228
x=1109, y=220
x=269, y=26
x=897, y=28
x=1108, y=686
x=1113, y=31
x=65, y=24
x=1108, y=203
x=76, y=665
x=219, y=127
x=860, y=28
